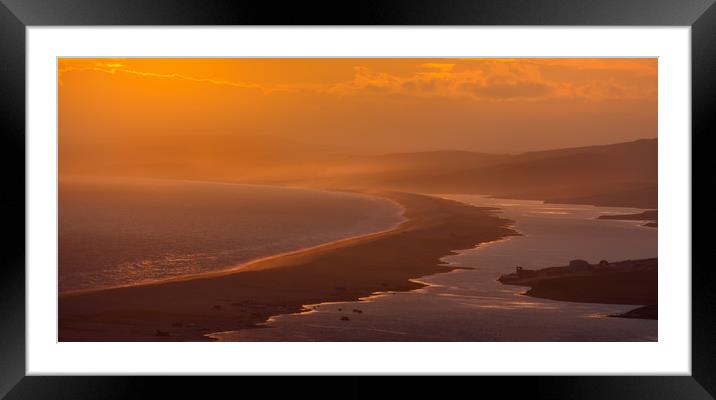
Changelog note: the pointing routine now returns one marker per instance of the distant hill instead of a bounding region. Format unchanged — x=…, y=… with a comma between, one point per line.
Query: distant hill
x=624, y=174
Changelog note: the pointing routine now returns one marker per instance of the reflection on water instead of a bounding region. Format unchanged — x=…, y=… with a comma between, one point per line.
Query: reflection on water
x=470, y=305
x=121, y=232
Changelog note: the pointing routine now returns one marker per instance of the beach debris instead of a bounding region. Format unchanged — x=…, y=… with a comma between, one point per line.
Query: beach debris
x=344, y=318
x=178, y=324
x=355, y=310
x=162, y=333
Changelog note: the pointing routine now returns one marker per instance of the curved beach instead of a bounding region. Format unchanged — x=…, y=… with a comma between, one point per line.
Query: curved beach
x=469, y=304
x=128, y=232
x=346, y=270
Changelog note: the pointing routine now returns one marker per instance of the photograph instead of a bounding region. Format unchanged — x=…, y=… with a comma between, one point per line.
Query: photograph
x=391, y=199
x=479, y=189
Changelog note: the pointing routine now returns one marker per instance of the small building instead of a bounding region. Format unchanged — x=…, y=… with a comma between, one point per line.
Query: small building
x=579, y=265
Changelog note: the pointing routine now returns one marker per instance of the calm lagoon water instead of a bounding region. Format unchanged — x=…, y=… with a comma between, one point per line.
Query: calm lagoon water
x=470, y=305
x=122, y=232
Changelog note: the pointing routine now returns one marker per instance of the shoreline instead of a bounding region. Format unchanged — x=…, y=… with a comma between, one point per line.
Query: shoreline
x=251, y=264
x=629, y=282
x=312, y=308
x=648, y=217
x=345, y=270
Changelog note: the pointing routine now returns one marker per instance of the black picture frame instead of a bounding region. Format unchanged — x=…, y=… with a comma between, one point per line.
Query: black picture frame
x=17, y=15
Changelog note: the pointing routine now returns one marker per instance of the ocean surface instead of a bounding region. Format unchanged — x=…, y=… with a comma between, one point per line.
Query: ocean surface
x=122, y=232
x=470, y=305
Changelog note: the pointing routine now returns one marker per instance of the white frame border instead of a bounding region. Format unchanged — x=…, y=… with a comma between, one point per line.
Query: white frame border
x=670, y=355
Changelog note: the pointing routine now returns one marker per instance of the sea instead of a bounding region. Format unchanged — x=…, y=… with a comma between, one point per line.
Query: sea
x=123, y=232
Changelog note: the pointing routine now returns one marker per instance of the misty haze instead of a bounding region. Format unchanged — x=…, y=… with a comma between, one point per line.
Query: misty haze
x=358, y=199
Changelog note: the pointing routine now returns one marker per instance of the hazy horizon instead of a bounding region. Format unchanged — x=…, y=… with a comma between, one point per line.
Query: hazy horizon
x=367, y=105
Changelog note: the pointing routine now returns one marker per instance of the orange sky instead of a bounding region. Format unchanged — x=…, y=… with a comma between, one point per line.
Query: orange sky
x=357, y=105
